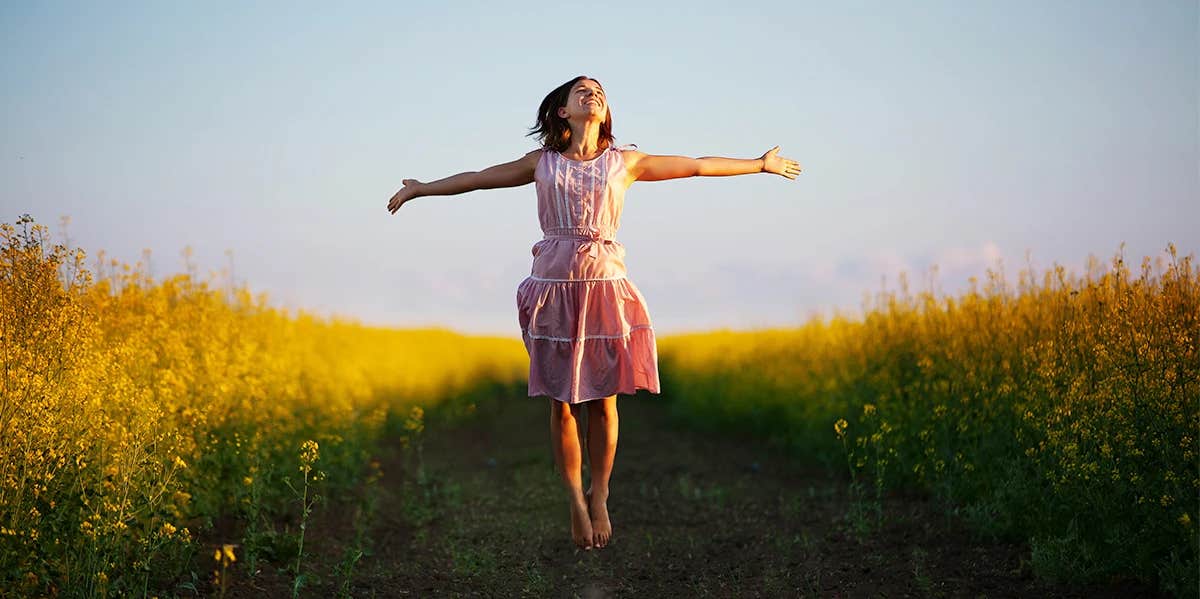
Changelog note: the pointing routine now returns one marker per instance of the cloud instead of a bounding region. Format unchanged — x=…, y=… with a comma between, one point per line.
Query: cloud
x=744, y=294
x=955, y=259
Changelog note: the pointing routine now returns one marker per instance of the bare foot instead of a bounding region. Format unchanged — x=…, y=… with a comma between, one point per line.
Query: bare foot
x=601, y=527
x=581, y=526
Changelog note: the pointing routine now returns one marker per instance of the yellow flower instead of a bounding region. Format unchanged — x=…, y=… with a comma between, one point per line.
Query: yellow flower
x=415, y=421
x=228, y=551
x=839, y=427
x=868, y=410
x=309, y=451
x=247, y=480
x=1185, y=520
x=179, y=463
x=168, y=529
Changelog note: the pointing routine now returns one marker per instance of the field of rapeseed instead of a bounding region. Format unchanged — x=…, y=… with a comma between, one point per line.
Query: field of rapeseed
x=136, y=413
x=133, y=413
x=1062, y=411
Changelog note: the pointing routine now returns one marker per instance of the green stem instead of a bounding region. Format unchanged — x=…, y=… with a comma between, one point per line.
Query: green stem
x=303, y=527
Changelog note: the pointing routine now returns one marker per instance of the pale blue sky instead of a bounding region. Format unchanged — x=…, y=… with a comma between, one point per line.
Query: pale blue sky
x=947, y=132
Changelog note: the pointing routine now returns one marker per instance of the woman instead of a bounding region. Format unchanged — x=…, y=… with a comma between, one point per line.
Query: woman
x=584, y=323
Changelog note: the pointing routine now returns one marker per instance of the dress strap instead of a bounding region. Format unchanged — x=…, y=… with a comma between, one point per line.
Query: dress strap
x=627, y=147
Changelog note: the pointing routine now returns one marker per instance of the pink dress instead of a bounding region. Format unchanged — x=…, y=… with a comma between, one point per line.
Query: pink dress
x=584, y=323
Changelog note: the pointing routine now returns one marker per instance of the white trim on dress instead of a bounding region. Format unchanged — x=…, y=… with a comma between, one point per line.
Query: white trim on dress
x=558, y=199
x=576, y=280
x=586, y=337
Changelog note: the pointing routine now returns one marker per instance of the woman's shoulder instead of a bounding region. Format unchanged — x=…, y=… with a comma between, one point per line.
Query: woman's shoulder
x=627, y=152
x=629, y=155
x=534, y=156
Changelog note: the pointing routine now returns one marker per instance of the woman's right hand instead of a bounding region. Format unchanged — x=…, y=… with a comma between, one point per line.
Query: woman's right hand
x=406, y=193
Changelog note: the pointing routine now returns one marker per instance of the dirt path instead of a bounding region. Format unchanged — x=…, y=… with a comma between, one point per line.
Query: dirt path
x=692, y=516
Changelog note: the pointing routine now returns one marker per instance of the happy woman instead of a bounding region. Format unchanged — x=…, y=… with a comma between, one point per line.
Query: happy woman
x=585, y=325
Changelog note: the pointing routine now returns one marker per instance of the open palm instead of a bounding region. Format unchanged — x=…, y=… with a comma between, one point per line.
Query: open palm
x=773, y=163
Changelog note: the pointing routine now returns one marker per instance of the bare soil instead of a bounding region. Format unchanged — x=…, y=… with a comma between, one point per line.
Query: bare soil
x=693, y=515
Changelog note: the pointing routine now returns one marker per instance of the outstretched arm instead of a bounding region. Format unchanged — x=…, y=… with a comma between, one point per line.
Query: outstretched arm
x=648, y=167
x=510, y=174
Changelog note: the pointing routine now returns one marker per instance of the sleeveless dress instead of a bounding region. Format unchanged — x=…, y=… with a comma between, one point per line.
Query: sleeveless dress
x=585, y=325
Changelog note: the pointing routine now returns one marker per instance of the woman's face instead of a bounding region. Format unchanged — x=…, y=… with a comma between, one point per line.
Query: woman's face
x=585, y=102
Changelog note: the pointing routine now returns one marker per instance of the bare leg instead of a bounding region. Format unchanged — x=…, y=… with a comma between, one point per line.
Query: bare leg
x=564, y=438
x=602, y=451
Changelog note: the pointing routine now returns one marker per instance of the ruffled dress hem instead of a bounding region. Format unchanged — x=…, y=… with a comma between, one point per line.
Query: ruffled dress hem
x=612, y=351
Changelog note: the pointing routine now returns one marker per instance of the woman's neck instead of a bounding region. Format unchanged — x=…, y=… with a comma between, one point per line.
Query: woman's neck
x=585, y=140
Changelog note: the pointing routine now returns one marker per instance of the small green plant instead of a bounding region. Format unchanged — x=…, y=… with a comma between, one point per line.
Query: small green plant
x=364, y=518
x=224, y=557
x=859, y=507
x=535, y=583
x=310, y=452
x=413, y=440
x=920, y=570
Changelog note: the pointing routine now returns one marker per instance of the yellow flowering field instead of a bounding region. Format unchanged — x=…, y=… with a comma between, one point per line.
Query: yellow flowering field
x=1062, y=410
x=134, y=412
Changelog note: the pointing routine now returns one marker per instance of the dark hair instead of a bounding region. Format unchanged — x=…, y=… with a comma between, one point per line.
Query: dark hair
x=553, y=131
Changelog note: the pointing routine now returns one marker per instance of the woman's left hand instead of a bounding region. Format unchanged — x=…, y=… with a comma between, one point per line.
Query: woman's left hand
x=779, y=165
